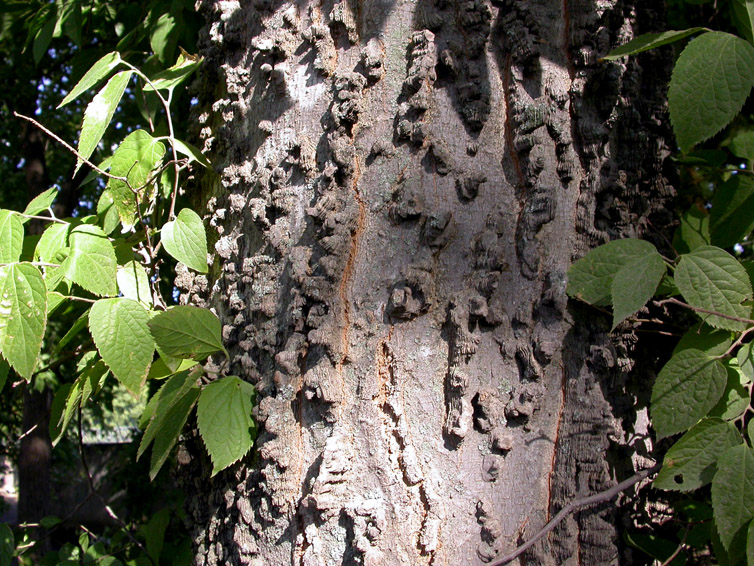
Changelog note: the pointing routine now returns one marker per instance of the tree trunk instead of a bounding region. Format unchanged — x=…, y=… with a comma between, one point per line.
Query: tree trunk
x=402, y=187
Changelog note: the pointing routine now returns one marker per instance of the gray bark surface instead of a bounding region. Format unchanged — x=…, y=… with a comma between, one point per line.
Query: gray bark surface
x=401, y=188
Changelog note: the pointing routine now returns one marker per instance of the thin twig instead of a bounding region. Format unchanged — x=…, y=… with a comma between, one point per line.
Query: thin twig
x=69, y=147
x=678, y=548
x=50, y=218
x=108, y=510
x=675, y=301
x=27, y=433
x=601, y=497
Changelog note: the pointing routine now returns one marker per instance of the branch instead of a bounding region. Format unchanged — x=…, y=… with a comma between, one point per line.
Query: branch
x=600, y=497
x=701, y=310
x=69, y=147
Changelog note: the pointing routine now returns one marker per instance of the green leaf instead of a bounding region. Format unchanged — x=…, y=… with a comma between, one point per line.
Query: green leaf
x=67, y=400
x=733, y=492
x=94, y=75
x=710, y=83
x=154, y=533
x=185, y=240
x=750, y=545
x=23, y=316
x=224, y=419
x=133, y=282
x=711, y=341
x=710, y=278
x=160, y=369
x=634, y=284
x=99, y=112
x=107, y=212
x=43, y=38
x=119, y=329
x=649, y=41
x=169, y=410
x=745, y=358
x=735, y=398
x=4, y=369
x=689, y=385
x=135, y=158
x=163, y=37
x=187, y=332
x=693, y=232
x=41, y=202
x=193, y=154
x=690, y=462
x=172, y=77
x=743, y=17
x=53, y=240
x=11, y=237
x=76, y=327
x=732, y=214
x=7, y=545
x=742, y=145
x=591, y=277
x=92, y=262
x=656, y=547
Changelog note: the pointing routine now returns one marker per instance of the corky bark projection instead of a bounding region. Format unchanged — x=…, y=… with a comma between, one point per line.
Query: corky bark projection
x=400, y=189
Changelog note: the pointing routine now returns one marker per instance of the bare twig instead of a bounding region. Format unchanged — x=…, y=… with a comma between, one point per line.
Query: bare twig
x=601, y=497
x=69, y=147
x=678, y=548
x=675, y=301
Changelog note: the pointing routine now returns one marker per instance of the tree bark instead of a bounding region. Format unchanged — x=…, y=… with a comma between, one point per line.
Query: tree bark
x=401, y=189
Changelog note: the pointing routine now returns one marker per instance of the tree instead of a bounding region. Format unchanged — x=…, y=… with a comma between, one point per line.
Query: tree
x=399, y=192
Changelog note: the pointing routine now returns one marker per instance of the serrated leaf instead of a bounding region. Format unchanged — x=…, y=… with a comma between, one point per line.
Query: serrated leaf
x=689, y=385
x=99, y=112
x=91, y=262
x=733, y=492
x=710, y=278
x=95, y=74
x=173, y=76
x=634, y=284
x=23, y=316
x=160, y=370
x=693, y=231
x=119, y=329
x=711, y=341
x=193, y=154
x=690, y=462
x=735, y=398
x=11, y=236
x=168, y=409
x=648, y=41
x=224, y=419
x=732, y=213
x=135, y=158
x=185, y=240
x=187, y=332
x=743, y=17
x=40, y=203
x=591, y=277
x=710, y=83
x=133, y=282
x=7, y=545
